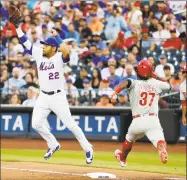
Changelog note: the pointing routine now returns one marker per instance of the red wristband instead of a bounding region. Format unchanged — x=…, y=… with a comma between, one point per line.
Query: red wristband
x=118, y=89
x=183, y=102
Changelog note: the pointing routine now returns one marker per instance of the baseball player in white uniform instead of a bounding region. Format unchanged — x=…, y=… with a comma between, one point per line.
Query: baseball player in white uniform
x=183, y=94
x=50, y=62
x=143, y=95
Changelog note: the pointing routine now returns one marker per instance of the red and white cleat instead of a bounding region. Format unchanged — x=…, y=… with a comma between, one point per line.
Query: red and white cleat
x=117, y=154
x=162, y=152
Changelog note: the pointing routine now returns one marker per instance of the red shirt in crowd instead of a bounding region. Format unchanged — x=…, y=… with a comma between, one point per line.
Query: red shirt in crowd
x=173, y=42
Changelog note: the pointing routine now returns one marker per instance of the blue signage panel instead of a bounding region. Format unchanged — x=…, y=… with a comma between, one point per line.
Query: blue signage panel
x=91, y=125
x=14, y=123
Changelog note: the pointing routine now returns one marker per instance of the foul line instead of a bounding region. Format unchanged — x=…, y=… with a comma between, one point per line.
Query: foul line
x=43, y=171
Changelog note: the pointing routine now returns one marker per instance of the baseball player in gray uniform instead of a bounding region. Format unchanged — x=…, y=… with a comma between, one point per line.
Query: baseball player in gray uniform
x=144, y=95
x=51, y=60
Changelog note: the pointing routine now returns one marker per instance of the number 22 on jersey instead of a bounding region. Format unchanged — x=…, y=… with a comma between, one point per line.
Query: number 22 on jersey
x=53, y=76
x=145, y=96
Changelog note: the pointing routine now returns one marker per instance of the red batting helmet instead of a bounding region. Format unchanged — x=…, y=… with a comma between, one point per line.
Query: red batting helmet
x=145, y=68
x=184, y=68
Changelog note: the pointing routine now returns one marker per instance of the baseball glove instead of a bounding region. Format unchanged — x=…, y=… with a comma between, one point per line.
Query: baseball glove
x=15, y=15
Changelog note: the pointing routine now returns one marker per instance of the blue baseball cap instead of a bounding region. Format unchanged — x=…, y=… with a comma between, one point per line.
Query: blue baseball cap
x=69, y=81
x=51, y=42
x=86, y=81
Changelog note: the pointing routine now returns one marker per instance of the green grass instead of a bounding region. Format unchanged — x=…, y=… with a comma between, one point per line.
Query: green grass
x=137, y=161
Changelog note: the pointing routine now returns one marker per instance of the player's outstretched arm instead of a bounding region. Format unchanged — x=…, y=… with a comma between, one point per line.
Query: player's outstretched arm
x=63, y=47
x=123, y=85
x=24, y=40
x=15, y=17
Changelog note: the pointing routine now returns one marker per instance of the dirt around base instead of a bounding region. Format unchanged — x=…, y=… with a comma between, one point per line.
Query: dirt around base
x=74, y=145
x=19, y=174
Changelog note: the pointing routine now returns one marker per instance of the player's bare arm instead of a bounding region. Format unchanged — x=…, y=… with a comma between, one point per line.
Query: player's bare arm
x=124, y=84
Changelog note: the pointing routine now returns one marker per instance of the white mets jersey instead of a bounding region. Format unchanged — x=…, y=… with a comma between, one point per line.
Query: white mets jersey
x=50, y=71
x=183, y=93
x=144, y=95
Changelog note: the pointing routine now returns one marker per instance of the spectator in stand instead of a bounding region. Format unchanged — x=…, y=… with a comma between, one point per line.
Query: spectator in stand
x=87, y=95
x=68, y=17
x=9, y=52
x=113, y=78
x=167, y=72
x=152, y=60
x=104, y=101
x=174, y=42
x=123, y=99
x=121, y=42
x=146, y=39
x=17, y=46
x=26, y=23
x=105, y=88
x=34, y=39
x=47, y=20
x=34, y=28
x=72, y=33
x=129, y=72
x=13, y=84
x=29, y=82
x=32, y=94
x=72, y=93
x=105, y=73
x=160, y=67
x=106, y=55
x=95, y=25
x=100, y=44
x=161, y=34
x=115, y=23
x=79, y=80
x=96, y=78
x=9, y=30
x=131, y=58
x=135, y=19
x=45, y=33
x=84, y=31
x=136, y=52
x=180, y=27
x=3, y=78
x=96, y=59
x=14, y=99
x=176, y=81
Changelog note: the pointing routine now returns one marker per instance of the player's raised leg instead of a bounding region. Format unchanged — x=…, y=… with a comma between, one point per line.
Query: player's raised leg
x=38, y=123
x=156, y=136
x=61, y=109
x=133, y=134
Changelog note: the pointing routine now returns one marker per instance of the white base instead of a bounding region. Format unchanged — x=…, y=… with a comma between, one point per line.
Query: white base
x=101, y=175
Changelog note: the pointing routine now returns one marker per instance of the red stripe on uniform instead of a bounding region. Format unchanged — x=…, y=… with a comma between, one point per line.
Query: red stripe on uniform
x=183, y=102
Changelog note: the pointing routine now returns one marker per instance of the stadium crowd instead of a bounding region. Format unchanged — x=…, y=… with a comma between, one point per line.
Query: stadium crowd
x=107, y=38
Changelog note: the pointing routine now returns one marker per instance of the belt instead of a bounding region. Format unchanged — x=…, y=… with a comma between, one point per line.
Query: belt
x=51, y=92
x=150, y=114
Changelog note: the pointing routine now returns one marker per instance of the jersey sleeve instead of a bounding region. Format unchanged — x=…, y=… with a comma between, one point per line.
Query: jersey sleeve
x=163, y=86
x=35, y=51
x=182, y=97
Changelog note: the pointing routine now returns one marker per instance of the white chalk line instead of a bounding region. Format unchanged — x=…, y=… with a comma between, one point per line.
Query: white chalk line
x=65, y=173
x=49, y=172
x=42, y=171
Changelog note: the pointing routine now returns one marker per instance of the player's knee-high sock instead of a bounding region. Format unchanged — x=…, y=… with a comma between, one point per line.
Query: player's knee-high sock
x=161, y=146
x=46, y=134
x=76, y=130
x=126, y=148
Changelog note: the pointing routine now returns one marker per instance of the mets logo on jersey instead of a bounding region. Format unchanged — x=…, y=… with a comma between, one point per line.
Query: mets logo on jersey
x=44, y=66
